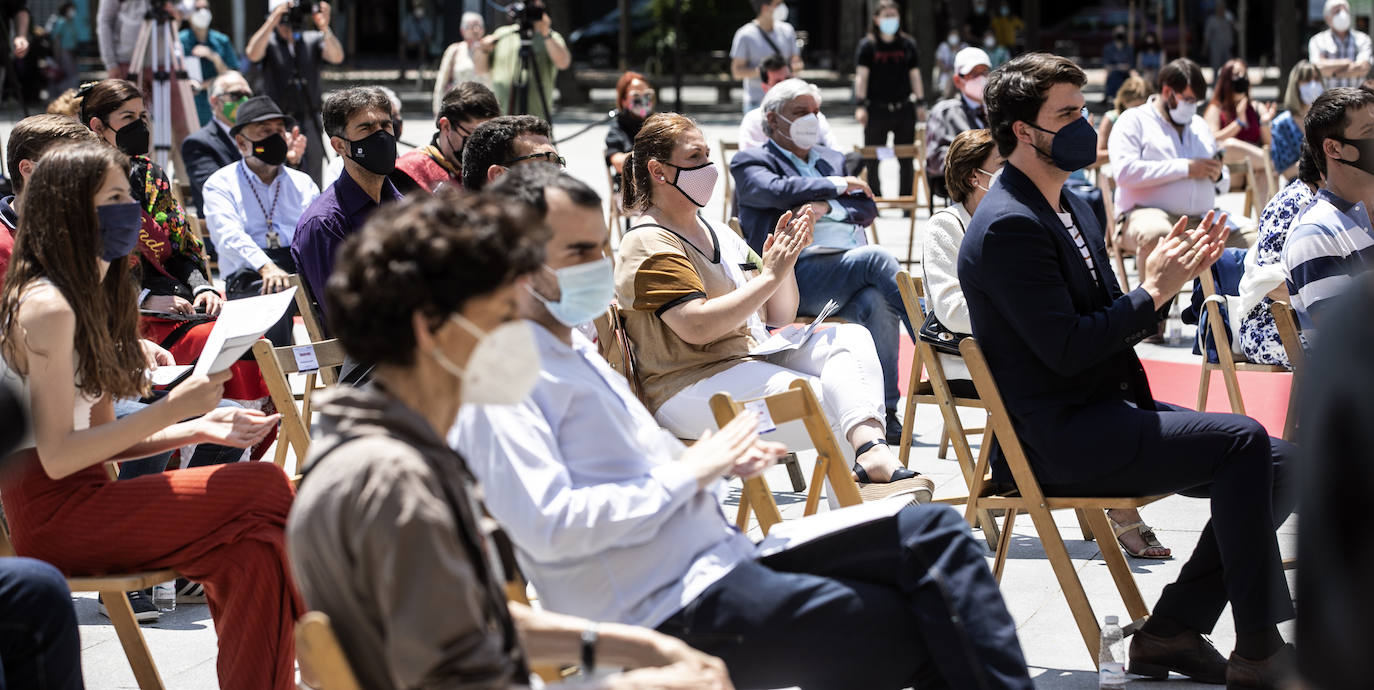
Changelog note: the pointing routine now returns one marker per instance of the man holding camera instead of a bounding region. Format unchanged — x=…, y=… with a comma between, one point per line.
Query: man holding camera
x=289, y=55
x=529, y=21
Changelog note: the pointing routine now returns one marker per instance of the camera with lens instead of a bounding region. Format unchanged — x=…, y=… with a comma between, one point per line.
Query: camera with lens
x=300, y=15
x=525, y=14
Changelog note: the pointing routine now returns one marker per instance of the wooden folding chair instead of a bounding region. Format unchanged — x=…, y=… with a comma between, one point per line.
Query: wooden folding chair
x=1226, y=362
x=313, y=328
x=934, y=390
x=322, y=661
x=727, y=147
x=614, y=224
x=1107, y=183
x=1030, y=499
x=112, y=588
x=909, y=203
x=203, y=232
x=1290, y=334
x=275, y=363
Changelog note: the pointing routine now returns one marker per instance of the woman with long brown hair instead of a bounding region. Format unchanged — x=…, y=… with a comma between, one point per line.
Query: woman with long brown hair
x=172, y=265
x=1240, y=125
x=694, y=314
x=220, y=525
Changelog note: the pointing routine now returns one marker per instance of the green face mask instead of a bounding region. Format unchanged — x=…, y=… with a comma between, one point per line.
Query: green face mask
x=231, y=109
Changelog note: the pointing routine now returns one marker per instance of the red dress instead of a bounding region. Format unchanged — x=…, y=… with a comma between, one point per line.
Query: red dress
x=1250, y=133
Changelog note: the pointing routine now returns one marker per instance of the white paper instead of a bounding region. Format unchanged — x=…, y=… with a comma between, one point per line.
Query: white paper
x=240, y=324
x=306, y=363
x=886, y=153
x=790, y=534
x=166, y=374
x=794, y=336
x=760, y=407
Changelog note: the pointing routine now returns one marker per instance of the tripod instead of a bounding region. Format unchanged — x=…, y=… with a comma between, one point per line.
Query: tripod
x=529, y=67
x=159, y=50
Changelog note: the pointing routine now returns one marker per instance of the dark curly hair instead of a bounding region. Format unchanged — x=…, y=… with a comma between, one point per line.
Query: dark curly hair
x=428, y=254
x=492, y=143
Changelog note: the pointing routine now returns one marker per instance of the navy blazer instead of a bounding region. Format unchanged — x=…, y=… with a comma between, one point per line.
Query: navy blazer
x=768, y=185
x=204, y=152
x=1059, y=344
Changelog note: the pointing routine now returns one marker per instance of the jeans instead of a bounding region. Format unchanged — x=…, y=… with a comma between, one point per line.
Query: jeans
x=205, y=453
x=1230, y=460
x=39, y=644
x=902, y=601
x=863, y=281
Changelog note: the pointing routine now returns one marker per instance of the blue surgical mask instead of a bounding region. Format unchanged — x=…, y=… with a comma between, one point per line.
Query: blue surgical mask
x=889, y=25
x=119, y=226
x=1074, y=146
x=585, y=291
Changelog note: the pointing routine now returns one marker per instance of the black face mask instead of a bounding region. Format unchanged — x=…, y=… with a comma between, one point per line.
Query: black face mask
x=1366, y=149
x=134, y=138
x=457, y=158
x=271, y=149
x=375, y=152
x=1073, y=147
x=119, y=226
x=1241, y=85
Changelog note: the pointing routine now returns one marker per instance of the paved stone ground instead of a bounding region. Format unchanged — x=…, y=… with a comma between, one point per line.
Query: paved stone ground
x=184, y=647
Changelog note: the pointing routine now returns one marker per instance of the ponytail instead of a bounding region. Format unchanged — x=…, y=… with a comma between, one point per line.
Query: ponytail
x=628, y=193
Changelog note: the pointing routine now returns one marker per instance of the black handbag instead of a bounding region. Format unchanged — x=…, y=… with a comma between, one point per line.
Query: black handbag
x=938, y=337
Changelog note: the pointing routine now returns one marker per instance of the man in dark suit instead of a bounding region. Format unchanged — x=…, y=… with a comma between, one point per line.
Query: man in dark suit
x=212, y=147
x=792, y=171
x=1059, y=336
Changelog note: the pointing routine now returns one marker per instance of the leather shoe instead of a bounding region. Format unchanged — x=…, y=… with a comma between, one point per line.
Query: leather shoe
x=1269, y=674
x=1187, y=653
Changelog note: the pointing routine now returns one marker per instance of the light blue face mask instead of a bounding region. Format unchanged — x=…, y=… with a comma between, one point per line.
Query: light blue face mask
x=586, y=290
x=889, y=25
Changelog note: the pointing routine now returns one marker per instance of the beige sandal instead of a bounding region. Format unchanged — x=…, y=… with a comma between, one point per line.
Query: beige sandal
x=1146, y=533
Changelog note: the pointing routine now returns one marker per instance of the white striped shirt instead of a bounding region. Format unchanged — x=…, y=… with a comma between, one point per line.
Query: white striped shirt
x=1067, y=220
x=1331, y=242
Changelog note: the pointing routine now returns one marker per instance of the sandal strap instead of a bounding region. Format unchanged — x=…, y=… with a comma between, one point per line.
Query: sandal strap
x=869, y=446
x=1119, y=529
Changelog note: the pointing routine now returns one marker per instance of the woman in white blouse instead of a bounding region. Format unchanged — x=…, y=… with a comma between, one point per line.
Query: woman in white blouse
x=970, y=167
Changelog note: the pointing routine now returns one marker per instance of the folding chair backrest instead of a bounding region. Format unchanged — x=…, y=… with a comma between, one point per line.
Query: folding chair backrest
x=797, y=403
x=323, y=664
x=275, y=363
x=999, y=426
x=1290, y=333
x=614, y=344
x=306, y=306
x=727, y=147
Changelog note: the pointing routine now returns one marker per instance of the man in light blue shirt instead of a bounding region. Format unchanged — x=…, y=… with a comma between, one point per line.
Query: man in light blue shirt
x=252, y=207
x=791, y=171
x=613, y=519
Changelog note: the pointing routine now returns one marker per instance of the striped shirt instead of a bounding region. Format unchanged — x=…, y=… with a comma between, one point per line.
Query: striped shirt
x=1331, y=242
x=1067, y=220
x=1356, y=47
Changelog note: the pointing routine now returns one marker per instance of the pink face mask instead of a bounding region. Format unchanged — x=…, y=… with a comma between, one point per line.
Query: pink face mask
x=696, y=183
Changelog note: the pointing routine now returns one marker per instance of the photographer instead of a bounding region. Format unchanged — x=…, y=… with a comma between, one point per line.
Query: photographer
x=529, y=22
x=289, y=56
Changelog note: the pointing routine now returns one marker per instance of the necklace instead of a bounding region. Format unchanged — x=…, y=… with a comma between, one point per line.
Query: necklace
x=273, y=239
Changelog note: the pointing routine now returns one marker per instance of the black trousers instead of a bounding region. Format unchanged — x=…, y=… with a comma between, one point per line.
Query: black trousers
x=901, y=602
x=1230, y=460
x=899, y=119
x=248, y=283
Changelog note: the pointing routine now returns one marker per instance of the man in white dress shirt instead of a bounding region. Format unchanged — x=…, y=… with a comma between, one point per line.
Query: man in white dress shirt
x=613, y=519
x=1167, y=163
x=252, y=207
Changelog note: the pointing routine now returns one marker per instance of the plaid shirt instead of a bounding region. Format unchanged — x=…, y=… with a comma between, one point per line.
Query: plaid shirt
x=1356, y=47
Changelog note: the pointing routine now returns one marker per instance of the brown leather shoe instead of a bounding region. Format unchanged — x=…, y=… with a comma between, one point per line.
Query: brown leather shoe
x=1187, y=653
x=1269, y=674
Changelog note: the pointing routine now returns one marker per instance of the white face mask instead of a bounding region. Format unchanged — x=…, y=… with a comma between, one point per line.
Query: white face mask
x=201, y=18
x=1184, y=112
x=584, y=290
x=503, y=367
x=780, y=13
x=990, y=42
x=695, y=183
x=953, y=39
x=973, y=88
x=1340, y=21
x=992, y=177
x=804, y=131
x=1309, y=91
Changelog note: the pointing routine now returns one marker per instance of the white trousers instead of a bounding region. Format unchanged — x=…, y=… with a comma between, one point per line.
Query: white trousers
x=838, y=362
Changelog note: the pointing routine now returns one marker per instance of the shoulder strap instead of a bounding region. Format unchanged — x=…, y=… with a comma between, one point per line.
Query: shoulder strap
x=769, y=39
x=956, y=218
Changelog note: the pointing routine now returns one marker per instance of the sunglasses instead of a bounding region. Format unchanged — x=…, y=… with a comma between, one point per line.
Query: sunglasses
x=547, y=156
x=236, y=95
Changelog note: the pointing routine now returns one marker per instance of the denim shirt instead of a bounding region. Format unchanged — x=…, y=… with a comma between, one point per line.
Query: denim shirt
x=831, y=230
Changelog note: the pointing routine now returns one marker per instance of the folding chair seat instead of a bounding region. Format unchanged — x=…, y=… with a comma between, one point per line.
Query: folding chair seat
x=1030, y=499
x=275, y=363
x=908, y=204
x=111, y=588
x=935, y=390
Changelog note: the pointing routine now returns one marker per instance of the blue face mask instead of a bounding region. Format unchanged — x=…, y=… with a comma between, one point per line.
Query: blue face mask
x=119, y=226
x=585, y=292
x=1074, y=146
x=889, y=25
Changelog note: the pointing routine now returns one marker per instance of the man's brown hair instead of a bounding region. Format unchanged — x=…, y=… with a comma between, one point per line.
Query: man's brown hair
x=36, y=134
x=1017, y=89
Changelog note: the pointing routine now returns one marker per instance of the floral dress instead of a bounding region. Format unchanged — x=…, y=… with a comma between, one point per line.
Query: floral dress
x=1285, y=141
x=1259, y=336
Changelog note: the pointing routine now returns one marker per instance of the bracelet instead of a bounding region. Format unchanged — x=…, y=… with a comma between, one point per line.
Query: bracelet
x=589, y=637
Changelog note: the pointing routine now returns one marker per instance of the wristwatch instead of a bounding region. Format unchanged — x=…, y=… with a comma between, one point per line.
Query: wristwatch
x=589, y=637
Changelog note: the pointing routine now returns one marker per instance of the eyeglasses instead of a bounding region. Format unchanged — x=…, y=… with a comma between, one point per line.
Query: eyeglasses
x=236, y=95
x=547, y=156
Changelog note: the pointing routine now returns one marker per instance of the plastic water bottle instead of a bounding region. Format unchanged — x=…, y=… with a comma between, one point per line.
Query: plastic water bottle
x=165, y=596
x=1111, y=657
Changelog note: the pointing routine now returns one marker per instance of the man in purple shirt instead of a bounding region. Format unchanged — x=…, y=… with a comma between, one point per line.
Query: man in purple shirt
x=358, y=122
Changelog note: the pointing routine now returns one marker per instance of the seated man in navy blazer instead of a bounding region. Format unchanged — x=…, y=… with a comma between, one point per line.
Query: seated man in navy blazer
x=212, y=147
x=792, y=171
x=1058, y=335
